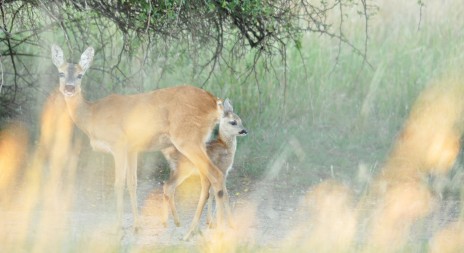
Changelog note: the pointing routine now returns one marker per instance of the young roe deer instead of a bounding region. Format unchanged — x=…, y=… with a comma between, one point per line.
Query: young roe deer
x=125, y=125
x=221, y=152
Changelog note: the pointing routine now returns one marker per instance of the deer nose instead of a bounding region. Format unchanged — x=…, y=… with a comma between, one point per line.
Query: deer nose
x=70, y=88
x=243, y=132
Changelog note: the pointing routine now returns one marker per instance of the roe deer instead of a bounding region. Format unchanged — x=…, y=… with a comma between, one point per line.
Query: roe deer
x=124, y=125
x=221, y=152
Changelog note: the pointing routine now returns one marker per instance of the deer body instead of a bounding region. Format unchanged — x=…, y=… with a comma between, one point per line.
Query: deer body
x=143, y=121
x=182, y=117
x=221, y=152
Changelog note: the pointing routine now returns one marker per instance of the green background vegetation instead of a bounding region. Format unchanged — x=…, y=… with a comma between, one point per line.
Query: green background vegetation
x=338, y=110
x=333, y=105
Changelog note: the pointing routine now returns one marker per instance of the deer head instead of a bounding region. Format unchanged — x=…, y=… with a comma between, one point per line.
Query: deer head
x=71, y=74
x=231, y=124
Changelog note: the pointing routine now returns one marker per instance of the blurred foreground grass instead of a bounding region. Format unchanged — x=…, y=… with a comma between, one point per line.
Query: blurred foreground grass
x=338, y=120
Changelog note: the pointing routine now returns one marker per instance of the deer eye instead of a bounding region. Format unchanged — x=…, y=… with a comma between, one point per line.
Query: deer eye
x=233, y=123
x=79, y=76
x=61, y=75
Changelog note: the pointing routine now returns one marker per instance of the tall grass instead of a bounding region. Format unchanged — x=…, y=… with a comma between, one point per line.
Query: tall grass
x=331, y=114
x=345, y=113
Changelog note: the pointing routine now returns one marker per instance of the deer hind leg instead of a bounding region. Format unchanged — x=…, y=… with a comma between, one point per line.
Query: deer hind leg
x=132, y=186
x=194, y=226
x=177, y=177
x=198, y=156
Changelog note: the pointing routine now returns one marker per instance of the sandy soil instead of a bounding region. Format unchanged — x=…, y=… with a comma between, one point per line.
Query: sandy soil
x=270, y=213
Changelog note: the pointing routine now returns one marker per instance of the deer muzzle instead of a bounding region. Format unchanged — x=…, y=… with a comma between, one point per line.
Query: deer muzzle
x=70, y=89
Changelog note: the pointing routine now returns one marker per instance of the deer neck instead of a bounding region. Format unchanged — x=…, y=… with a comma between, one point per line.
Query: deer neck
x=80, y=111
x=229, y=141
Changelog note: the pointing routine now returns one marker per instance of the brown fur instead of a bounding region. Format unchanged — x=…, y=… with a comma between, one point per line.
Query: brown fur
x=221, y=152
x=124, y=125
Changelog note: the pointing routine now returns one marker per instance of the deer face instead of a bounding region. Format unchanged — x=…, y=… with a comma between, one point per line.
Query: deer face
x=71, y=74
x=230, y=123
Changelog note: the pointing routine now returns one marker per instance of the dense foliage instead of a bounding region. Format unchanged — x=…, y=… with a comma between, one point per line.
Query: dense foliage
x=209, y=33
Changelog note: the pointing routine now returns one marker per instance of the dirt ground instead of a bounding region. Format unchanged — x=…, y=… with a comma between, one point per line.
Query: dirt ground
x=269, y=213
x=265, y=215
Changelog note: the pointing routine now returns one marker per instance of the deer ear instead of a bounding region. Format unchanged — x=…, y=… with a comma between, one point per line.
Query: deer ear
x=228, y=106
x=86, y=58
x=57, y=56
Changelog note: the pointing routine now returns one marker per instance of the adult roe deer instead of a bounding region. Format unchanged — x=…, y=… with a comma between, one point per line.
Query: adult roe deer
x=221, y=152
x=124, y=125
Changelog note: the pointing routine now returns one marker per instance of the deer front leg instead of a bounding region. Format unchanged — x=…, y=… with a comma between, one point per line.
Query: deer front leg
x=169, y=204
x=209, y=214
x=228, y=211
x=120, y=161
x=178, y=175
x=132, y=187
x=198, y=156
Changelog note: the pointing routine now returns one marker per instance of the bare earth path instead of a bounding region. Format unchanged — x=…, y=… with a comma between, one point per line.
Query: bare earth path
x=269, y=214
